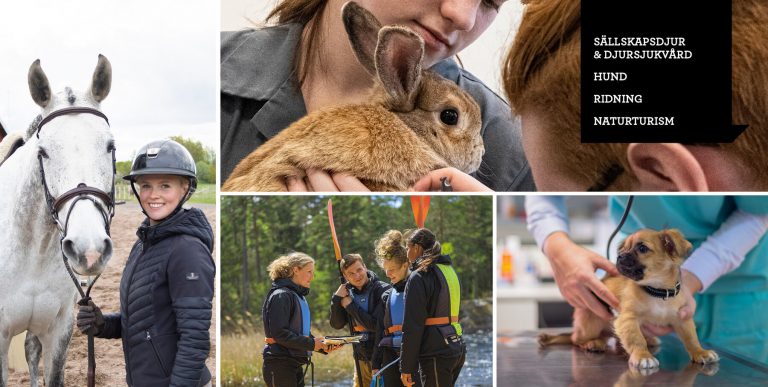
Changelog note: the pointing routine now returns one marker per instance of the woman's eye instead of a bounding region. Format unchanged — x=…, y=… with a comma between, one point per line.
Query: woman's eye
x=493, y=4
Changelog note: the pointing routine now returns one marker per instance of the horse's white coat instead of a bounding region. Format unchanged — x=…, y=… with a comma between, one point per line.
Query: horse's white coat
x=37, y=293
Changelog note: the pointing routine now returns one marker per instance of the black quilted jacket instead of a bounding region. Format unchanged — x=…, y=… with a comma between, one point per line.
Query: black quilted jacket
x=165, y=303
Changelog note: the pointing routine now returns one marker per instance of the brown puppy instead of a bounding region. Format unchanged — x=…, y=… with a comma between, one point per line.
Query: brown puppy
x=649, y=290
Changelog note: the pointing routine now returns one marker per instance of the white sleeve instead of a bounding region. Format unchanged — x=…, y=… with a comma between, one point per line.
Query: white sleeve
x=545, y=215
x=726, y=249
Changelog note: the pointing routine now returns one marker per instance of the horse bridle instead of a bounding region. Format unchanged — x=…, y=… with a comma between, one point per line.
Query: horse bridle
x=103, y=201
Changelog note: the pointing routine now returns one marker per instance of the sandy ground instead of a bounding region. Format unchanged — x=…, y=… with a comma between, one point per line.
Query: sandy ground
x=110, y=366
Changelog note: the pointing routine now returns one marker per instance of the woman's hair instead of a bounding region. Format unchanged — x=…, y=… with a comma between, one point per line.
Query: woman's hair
x=282, y=267
x=391, y=247
x=306, y=13
x=542, y=76
x=427, y=240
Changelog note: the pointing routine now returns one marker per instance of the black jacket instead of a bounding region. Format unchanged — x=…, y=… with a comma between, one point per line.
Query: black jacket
x=165, y=303
x=420, y=341
x=280, y=309
x=376, y=362
x=367, y=318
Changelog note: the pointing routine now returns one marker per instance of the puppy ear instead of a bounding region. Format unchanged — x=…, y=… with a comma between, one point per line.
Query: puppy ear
x=674, y=243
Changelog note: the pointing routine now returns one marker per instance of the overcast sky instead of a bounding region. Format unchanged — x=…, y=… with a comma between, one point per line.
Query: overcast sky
x=164, y=57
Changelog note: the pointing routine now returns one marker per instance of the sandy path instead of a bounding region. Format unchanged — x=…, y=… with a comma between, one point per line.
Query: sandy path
x=110, y=366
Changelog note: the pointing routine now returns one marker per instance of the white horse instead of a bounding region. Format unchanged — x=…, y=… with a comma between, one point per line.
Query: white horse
x=68, y=146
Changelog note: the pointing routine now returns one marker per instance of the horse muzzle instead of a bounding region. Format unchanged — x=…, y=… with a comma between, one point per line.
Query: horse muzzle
x=87, y=256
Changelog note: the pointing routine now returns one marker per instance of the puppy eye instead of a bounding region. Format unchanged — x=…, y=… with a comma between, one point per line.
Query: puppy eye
x=449, y=116
x=642, y=248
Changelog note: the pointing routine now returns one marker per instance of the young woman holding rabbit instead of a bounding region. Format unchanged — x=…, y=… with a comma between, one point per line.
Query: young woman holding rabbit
x=432, y=339
x=273, y=76
x=392, y=256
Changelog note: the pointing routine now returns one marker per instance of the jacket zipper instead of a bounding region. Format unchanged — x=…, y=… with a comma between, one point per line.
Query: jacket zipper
x=127, y=291
x=157, y=354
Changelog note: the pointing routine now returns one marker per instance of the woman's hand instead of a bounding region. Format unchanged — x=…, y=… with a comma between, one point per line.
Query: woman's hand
x=574, y=269
x=406, y=379
x=321, y=181
x=459, y=180
x=693, y=285
x=319, y=345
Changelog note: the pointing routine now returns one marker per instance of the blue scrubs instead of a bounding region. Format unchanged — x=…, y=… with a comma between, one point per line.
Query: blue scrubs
x=733, y=312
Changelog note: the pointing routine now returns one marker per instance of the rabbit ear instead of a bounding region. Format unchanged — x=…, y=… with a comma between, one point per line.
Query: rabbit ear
x=398, y=62
x=363, y=30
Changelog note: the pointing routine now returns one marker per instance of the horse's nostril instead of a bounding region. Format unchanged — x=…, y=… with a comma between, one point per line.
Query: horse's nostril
x=69, y=248
x=107, y=249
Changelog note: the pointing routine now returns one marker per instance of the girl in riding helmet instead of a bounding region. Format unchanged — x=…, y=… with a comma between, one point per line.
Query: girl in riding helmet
x=166, y=290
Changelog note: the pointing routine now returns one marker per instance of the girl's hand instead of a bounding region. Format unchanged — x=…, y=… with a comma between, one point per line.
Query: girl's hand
x=406, y=379
x=319, y=345
x=321, y=181
x=459, y=180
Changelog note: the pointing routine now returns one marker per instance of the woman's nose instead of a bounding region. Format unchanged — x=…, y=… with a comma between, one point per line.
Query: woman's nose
x=461, y=13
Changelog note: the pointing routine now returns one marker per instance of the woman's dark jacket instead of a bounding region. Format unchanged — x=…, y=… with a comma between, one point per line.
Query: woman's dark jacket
x=166, y=297
x=420, y=341
x=281, y=314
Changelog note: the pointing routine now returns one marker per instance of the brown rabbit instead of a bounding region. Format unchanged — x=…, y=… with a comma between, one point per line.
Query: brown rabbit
x=415, y=122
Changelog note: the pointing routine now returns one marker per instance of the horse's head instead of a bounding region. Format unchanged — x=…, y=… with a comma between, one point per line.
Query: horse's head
x=75, y=149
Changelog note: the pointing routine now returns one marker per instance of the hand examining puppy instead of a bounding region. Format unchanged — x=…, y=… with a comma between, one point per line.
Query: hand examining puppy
x=686, y=312
x=574, y=269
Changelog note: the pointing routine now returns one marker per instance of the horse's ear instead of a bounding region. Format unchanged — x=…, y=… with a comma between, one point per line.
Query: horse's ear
x=39, y=87
x=102, y=79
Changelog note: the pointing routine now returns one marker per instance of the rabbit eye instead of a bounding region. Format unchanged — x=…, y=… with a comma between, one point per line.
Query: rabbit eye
x=449, y=116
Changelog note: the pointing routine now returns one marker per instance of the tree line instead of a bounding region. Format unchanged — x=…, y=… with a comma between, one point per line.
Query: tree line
x=257, y=229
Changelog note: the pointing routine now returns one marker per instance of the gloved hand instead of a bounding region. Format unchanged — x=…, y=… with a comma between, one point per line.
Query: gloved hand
x=89, y=318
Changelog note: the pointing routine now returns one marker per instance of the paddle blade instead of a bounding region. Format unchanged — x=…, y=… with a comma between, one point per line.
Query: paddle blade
x=420, y=207
x=336, y=247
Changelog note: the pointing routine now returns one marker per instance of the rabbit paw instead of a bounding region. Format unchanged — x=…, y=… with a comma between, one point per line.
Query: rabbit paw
x=643, y=360
x=705, y=357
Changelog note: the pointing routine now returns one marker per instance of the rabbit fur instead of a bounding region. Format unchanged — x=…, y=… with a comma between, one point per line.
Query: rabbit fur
x=389, y=142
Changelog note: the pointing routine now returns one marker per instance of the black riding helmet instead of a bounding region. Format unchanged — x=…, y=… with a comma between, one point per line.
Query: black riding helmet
x=164, y=157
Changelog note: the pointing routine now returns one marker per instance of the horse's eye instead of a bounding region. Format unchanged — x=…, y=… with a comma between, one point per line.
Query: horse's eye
x=449, y=116
x=42, y=153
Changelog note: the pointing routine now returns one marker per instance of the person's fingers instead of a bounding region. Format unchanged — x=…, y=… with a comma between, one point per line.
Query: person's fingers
x=321, y=181
x=606, y=265
x=347, y=182
x=424, y=184
x=595, y=306
x=294, y=184
x=685, y=312
x=602, y=291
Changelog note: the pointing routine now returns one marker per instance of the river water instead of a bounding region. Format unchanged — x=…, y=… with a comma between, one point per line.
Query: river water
x=477, y=370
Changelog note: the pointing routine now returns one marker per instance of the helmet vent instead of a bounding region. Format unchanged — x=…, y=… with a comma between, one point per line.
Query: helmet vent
x=152, y=152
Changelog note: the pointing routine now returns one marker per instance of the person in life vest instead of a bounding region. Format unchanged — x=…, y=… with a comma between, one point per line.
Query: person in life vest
x=392, y=256
x=286, y=316
x=358, y=301
x=431, y=330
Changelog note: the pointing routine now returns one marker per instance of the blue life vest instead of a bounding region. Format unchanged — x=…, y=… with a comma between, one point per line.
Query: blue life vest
x=363, y=300
x=396, y=313
x=305, y=318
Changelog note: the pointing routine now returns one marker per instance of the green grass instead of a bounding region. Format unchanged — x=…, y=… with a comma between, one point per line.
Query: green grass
x=205, y=193
x=241, y=361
